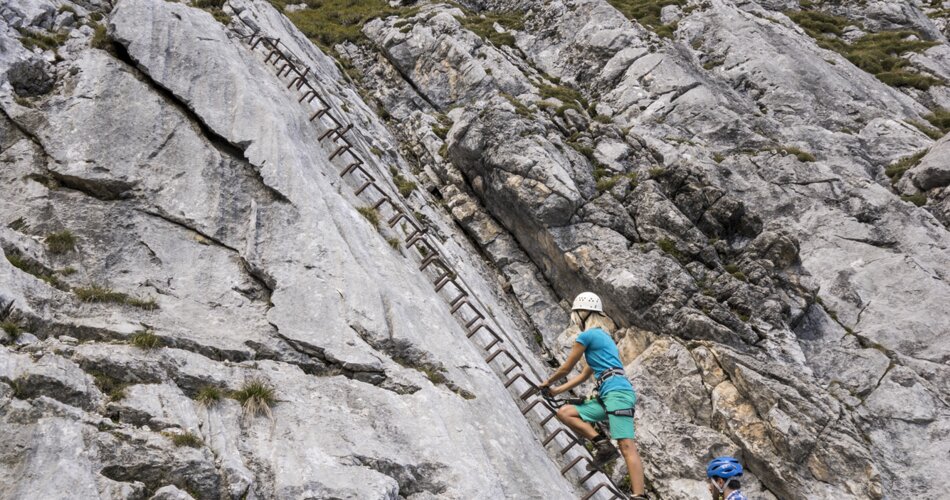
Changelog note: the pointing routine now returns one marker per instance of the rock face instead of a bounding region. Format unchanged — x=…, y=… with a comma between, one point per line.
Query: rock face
x=765, y=218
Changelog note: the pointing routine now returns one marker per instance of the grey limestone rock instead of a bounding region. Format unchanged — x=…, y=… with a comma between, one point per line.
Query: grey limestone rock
x=719, y=179
x=933, y=171
x=30, y=78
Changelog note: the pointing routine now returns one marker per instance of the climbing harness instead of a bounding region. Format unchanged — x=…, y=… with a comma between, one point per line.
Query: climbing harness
x=608, y=373
x=463, y=304
x=604, y=375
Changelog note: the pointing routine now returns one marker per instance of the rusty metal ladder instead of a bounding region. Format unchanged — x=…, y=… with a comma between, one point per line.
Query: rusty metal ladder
x=447, y=283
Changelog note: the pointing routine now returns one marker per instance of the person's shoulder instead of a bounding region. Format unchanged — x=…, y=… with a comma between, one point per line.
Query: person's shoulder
x=599, y=332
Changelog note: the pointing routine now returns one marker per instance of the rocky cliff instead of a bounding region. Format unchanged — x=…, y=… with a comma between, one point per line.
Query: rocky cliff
x=267, y=250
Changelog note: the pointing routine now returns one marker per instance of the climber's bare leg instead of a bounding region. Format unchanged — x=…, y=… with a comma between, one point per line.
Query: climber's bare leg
x=570, y=417
x=634, y=466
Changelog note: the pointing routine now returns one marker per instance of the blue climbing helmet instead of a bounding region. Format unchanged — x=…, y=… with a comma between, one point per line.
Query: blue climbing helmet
x=724, y=467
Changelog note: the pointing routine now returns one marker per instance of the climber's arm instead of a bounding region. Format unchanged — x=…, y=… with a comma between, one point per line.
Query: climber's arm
x=574, y=382
x=576, y=352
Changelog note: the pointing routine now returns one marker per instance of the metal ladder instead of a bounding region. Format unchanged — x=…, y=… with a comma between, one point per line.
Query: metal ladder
x=465, y=307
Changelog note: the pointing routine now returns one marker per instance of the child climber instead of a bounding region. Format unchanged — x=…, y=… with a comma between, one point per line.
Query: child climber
x=723, y=474
x=615, y=399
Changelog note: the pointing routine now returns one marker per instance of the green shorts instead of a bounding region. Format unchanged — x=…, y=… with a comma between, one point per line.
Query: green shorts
x=620, y=427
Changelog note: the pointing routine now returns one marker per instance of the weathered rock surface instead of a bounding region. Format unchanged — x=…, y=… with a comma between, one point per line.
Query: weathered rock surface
x=715, y=174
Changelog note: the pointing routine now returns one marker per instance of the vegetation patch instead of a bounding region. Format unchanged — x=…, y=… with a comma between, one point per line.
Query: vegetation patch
x=668, y=247
x=370, y=214
x=256, y=396
x=393, y=242
x=919, y=199
x=405, y=186
x=11, y=328
x=214, y=7
x=188, y=439
x=101, y=294
x=111, y=386
x=647, y=13
x=18, y=224
x=145, y=339
x=38, y=271
x=100, y=38
x=876, y=53
x=896, y=170
x=570, y=99
x=802, y=155
x=483, y=25
x=926, y=129
x=940, y=119
x=657, y=172
x=735, y=272
x=588, y=153
x=606, y=183
x=32, y=40
x=520, y=108
x=61, y=242
x=331, y=22
x=209, y=396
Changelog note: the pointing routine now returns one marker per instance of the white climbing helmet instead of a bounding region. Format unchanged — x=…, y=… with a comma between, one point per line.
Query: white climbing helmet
x=587, y=301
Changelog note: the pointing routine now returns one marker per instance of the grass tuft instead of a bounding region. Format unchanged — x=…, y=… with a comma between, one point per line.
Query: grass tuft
x=520, y=108
x=919, y=199
x=110, y=386
x=145, y=339
x=38, y=271
x=256, y=396
x=209, y=396
x=735, y=272
x=331, y=22
x=941, y=119
x=19, y=387
x=100, y=38
x=11, y=328
x=896, y=170
x=483, y=25
x=668, y=247
x=403, y=185
x=564, y=94
x=188, y=439
x=926, y=129
x=101, y=294
x=31, y=39
x=370, y=214
x=802, y=155
x=606, y=183
x=61, y=242
x=876, y=53
x=657, y=172
x=647, y=13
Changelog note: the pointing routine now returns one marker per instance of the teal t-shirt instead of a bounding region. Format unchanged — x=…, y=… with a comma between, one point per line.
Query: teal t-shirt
x=601, y=353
